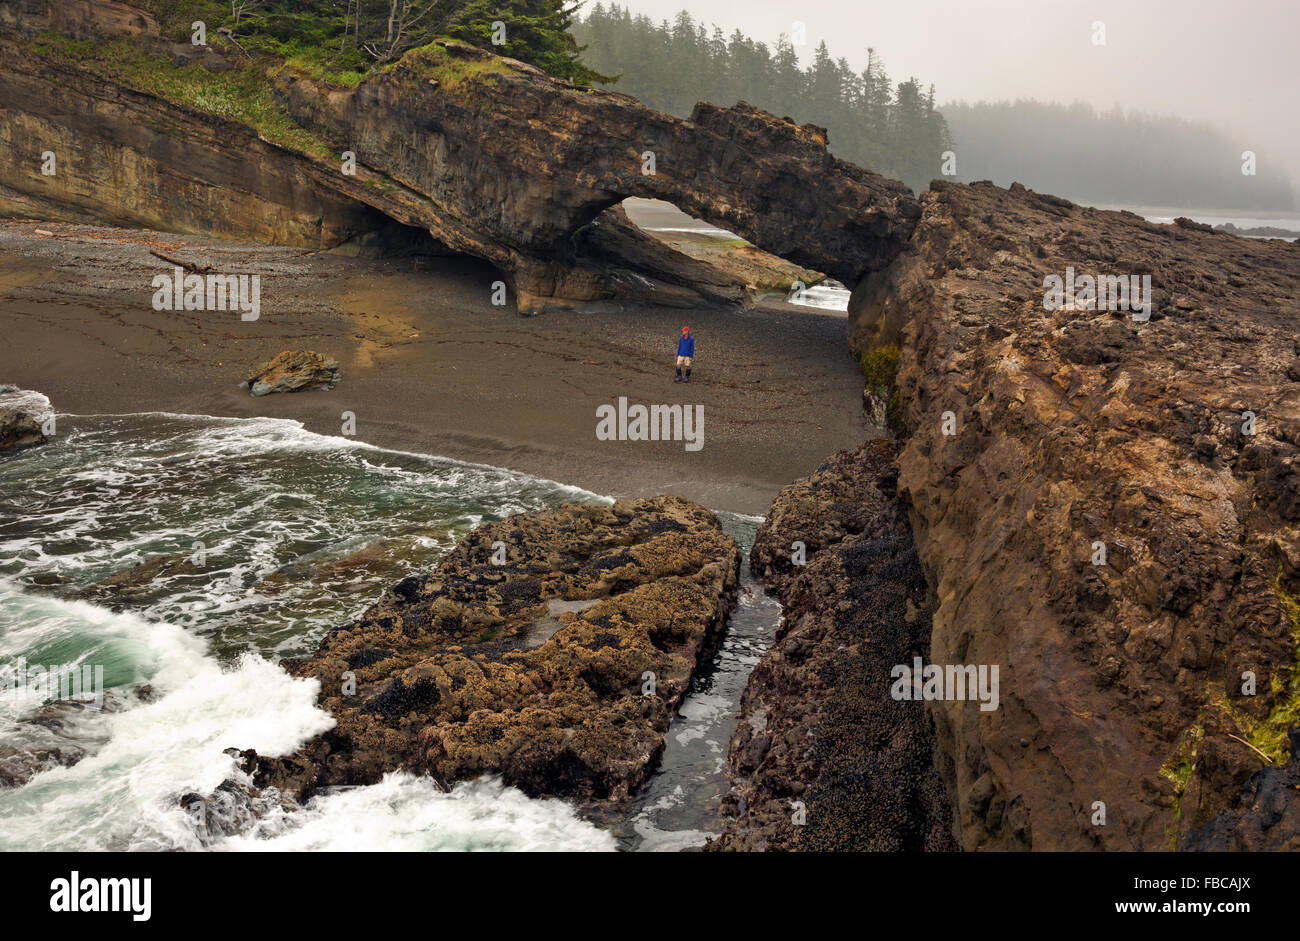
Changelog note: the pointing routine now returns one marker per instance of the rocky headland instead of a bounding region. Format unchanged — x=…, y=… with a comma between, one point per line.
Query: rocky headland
x=1104, y=506
x=552, y=649
x=1100, y=501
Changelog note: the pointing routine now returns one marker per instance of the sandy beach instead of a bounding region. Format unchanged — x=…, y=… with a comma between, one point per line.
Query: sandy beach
x=429, y=364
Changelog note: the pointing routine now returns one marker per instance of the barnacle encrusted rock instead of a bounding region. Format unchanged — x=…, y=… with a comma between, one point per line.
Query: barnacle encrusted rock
x=558, y=669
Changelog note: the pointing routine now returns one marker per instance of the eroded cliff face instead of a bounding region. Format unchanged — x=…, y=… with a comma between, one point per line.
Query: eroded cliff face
x=489, y=155
x=517, y=163
x=1097, y=512
x=125, y=157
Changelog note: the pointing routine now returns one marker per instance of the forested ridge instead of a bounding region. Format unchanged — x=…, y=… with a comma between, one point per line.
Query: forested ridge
x=898, y=130
x=1112, y=156
x=343, y=39
x=892, y=129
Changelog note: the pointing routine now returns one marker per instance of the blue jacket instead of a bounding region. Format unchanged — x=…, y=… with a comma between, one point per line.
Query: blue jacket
x=686, y=345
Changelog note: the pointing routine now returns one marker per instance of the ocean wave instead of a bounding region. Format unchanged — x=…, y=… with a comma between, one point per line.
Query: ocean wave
x=125, y=793
x=258, y=501
x=246, y=436
x=406, y=813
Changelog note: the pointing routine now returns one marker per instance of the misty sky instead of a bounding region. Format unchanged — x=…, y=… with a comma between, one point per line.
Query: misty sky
x=1231, y=62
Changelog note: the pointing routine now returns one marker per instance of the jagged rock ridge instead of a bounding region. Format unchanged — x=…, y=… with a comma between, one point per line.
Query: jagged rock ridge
x=820, y=739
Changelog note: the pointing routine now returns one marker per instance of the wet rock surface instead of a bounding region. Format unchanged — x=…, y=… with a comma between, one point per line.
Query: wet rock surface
x=1076, y=431
x=58, y=735
x=144, y=582
x=292, y=371
x=464, y=671
x=19, y=429
x=820, y=737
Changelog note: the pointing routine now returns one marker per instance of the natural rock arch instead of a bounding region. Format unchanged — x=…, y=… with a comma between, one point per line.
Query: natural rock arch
x=513, y=166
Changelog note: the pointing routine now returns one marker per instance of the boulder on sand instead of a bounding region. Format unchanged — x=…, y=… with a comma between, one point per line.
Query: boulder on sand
x=19, y=429
x=293, y=370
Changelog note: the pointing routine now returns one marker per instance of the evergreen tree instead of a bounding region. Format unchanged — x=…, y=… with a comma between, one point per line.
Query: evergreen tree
x=536, y=31
x=672, y=66
x=358, y=34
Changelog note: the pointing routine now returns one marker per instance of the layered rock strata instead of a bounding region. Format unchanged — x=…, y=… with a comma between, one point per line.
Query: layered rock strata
x=488, y=155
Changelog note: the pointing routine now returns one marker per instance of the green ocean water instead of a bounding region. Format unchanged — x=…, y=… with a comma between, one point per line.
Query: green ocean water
x=269, y=536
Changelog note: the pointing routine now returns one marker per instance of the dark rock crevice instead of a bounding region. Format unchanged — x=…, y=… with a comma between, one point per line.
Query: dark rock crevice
x=819, y=733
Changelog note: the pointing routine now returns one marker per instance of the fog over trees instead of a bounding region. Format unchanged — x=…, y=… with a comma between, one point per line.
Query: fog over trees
x=897, y=129
x=893, y=129
x=1110, y=156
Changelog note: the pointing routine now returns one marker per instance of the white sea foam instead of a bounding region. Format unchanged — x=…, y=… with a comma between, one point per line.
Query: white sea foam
x=124, y=795
x=24, y=400
x=258, y=495
x=246, y=436
x=408, y=813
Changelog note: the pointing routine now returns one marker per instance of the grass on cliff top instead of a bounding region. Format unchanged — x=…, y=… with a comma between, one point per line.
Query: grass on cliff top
x=317, y=64
x=433, y=61
x=242, y=94
x=175, y=16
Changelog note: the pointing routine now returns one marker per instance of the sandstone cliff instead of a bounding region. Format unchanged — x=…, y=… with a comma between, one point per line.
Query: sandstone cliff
x=488, y=156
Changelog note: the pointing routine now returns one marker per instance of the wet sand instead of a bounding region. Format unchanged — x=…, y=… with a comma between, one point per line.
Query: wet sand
x=429, y=364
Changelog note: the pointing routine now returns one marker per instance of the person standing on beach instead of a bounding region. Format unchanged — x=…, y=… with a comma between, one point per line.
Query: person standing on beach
x=685, y=354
